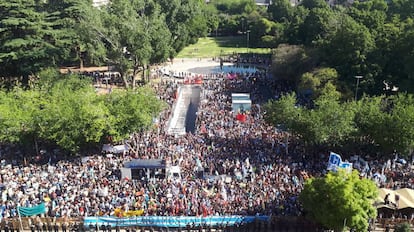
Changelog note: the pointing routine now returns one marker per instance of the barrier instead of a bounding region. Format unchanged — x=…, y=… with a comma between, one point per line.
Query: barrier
x=173, y=221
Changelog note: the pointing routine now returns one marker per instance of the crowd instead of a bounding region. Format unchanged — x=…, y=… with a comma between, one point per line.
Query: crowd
x=247, y=168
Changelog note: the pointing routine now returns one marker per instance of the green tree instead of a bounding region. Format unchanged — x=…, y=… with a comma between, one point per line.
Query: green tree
x=317, y=25
x=402, y=8
x=74, y=116
x=27, y=40
x=346, y=49
x=315, y=81
x=386, y=123
x=328, y=123
x=293, y=26
x=340, y=200
x=312, y=4
x=284, y=112
x=132, y=111
x=81, y=27
x=129, y=22
x=281, y=10
x=400, y=125
x=403, y=227
x=186, y=20
x=289, y=62
x=17, y=110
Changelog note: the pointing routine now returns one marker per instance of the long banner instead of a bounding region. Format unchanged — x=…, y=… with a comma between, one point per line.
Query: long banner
x=172, y=221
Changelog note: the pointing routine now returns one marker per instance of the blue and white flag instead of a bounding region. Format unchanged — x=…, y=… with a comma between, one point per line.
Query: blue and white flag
x=334, y=161
x=346, y=166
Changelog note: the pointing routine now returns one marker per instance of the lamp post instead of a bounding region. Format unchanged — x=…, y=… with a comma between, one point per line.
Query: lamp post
x=356, y=88
x=247, y=33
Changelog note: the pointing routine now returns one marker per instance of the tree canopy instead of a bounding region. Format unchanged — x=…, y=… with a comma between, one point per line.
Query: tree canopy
x=340, y=200
x=67, y=112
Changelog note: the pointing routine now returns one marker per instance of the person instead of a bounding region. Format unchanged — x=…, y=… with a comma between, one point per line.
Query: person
x=397, y=200
x=387, y=199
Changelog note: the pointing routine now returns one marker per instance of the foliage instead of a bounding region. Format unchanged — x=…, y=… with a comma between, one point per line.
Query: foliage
x=27, y=41
x=403, y=227
x=328, y=123
x=281, y=10
x=316, y=81
x=381, y=124
x=339, y=199
x=234, y=7
x=67, y=112
x=131, y=111
x=289, y=62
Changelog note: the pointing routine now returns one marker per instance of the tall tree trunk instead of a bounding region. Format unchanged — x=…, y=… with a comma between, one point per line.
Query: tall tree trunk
x=148, y=73
x=134, y=77
x=25, y=81
x=80, y=63
x=125, y=79
x=143, y=72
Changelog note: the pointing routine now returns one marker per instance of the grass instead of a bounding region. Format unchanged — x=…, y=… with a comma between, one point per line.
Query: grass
x=216, y=46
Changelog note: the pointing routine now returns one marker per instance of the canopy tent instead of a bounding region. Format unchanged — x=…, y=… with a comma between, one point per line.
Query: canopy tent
x=406, y=193
x=406, y=199
x=145, y=163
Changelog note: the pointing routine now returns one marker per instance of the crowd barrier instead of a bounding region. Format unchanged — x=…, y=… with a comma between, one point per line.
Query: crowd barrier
x=173, y=221
x=234, y=223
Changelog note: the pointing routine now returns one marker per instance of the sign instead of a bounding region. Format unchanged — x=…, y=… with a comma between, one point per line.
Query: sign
x=173, y=221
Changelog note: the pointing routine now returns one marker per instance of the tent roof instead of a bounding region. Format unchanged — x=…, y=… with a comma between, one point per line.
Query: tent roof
x=145, y=163
x=403, y=203
x=407, y=193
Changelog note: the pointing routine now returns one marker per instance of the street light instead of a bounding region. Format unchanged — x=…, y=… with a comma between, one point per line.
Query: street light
x=356, y=88
x=248, y=33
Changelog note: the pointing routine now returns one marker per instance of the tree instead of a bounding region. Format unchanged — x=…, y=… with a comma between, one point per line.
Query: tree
x=317, y=25
x=326, y=123
x=281, y=10
x=81, y=28
x=18, y=109
x=387, y=123
x=346, y=49
x=131, y=111
x=340, y=200
x=402, y=8
x=403, y=227
x=312, y=4
x=186, y=20
x=289, y=62
x=316, y=81
x=293, y=26
x=73, y=116
x=27, y=41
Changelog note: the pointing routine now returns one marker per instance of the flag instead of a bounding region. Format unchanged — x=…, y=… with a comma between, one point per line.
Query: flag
x=30, y=211
x=334, y=161
x=346, y=166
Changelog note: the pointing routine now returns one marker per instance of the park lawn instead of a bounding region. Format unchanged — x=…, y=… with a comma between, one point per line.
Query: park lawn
x=217, y=46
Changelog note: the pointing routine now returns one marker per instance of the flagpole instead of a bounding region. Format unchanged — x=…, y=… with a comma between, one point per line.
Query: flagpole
x=20, y=218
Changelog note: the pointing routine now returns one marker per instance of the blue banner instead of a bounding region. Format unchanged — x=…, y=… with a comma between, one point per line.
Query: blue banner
x=172, y=221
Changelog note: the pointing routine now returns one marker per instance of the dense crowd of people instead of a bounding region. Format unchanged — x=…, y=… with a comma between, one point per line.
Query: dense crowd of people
x=248, y=167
